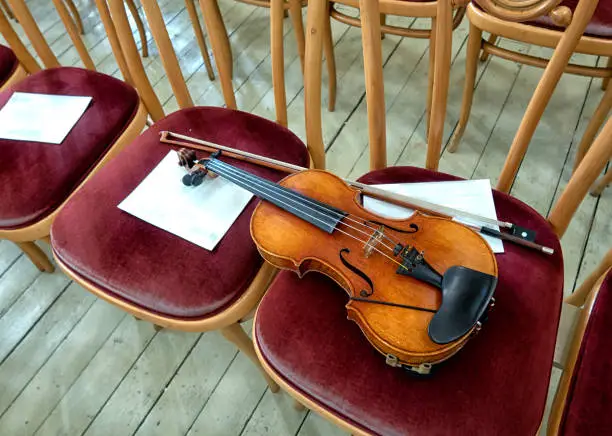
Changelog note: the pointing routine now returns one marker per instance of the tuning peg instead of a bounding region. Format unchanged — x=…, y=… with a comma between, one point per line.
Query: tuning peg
x=197, y=177
x=187, y=180
x=194, y=178
x=186, y=157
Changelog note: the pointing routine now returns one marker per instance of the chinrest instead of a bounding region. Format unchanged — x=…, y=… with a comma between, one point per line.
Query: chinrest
x=466, y=294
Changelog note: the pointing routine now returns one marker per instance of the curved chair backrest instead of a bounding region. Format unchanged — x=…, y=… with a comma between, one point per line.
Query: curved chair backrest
x=41, y=46
x=513, y=10
x=518, y=10
x=132, y=57
x=166, y=51
x=582, y=179
x=587, y=295
x=23, y=55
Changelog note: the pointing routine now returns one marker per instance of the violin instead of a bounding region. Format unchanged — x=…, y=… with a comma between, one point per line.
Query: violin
x=418, y=288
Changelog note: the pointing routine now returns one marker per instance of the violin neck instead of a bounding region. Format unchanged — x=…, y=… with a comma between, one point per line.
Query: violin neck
x=319, y=214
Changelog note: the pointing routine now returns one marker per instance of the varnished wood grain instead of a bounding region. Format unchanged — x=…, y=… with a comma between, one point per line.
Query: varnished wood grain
x=288, y=242
x=224, y=396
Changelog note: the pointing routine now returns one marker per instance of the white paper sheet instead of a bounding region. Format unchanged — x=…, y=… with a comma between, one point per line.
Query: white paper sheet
x=469, y=195
x=201, y=214
x=41, y=117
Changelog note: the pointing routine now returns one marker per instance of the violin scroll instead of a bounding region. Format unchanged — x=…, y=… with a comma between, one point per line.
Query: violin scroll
x=187, y=158
x=196, y=171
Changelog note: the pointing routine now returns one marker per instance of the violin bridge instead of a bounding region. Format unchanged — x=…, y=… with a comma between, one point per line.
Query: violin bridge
x=374, y=240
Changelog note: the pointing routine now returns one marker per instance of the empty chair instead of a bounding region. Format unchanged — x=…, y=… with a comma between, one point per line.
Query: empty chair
x=582, y=401
x=37, y=179
x=548, y=24
x=149, y=272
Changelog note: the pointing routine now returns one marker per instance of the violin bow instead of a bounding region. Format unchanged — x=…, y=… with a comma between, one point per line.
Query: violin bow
x=519, y=235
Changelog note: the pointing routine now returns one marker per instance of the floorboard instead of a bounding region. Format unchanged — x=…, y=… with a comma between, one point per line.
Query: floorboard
x=71, y=364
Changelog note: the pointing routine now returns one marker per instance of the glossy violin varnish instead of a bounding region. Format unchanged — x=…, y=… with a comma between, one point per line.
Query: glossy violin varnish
x=392, y=270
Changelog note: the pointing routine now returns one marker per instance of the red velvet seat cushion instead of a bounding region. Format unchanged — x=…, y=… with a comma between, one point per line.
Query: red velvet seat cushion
x=8, y=63
x=35, y=178
x=496, y=385
x=150, y=267
x=587, y=409
x=600, y=25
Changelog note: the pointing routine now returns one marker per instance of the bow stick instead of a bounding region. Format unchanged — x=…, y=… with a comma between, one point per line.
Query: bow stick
x=381, y=194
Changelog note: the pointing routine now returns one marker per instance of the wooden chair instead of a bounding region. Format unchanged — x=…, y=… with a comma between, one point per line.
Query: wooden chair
x=602, y=183
x=197, y=29
x=496, y=385
x=11, y=70
x=7, y=9
x=37, y=179
x=222, y=51
x=144, y=270
x=582, y=401
x=276, y=52
x=195, y=24
x=542, y=24
x=371, y=15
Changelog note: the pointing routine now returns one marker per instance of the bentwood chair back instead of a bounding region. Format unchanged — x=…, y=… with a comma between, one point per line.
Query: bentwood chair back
x=222, y=50
x=11, y=69
x=371, y=13
x=37, y=179
x=582, y=400
x=440, y=60
x=515, y=20
x=497, y=384
x=146, y=271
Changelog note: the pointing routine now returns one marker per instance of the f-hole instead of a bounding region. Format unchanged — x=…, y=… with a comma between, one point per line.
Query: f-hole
x=363, y=293
x=413, y=227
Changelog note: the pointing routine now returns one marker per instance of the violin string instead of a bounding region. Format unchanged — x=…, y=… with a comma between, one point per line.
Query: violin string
x=348, y=216
x=271, y=187
x=304, y=200
x=229, y=177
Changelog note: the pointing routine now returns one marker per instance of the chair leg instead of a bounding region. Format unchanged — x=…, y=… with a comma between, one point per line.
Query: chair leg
x=375, y=94
x=140, y=26
x=606, y=80
x=492, y=40
x=444, y=41
x=330, y=61
x=75, y=15
x=383, y=21
x=37, y=256
x=222, y=51
x=458, y=17
x=298, y=406
x=471, y=65
x=197, y=29
x=602, y=183
x=278, y=60
x=295, y=12
x=597, y=120
x=430, y=73
x=579, y=296
x=318, y=13
x=7, y=9
x=236, y=334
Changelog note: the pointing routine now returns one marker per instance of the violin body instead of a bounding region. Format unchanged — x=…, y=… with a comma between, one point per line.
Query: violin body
x=393, y=310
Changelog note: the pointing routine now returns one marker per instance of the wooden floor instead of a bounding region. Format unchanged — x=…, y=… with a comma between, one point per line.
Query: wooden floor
x=72, y=364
